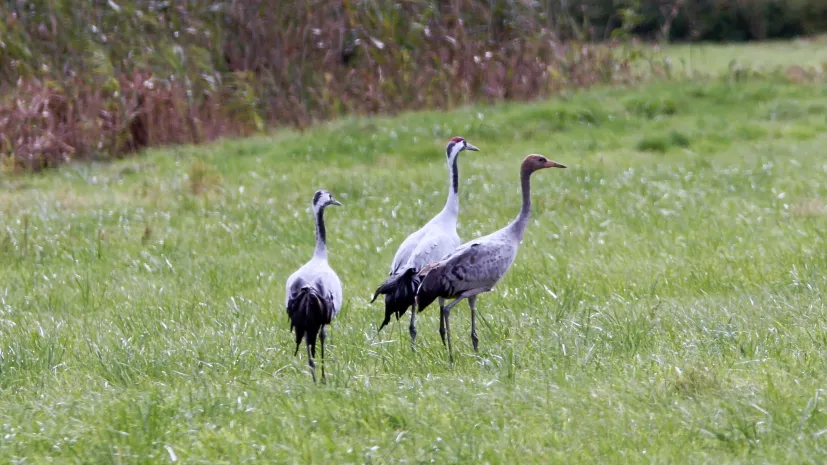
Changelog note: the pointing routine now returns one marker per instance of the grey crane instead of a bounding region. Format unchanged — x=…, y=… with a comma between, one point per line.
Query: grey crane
x=431, y=242
x=314, y=291
x=476, y=266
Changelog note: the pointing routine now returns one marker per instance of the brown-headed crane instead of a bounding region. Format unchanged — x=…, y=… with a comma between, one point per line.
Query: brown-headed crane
x=476, y=266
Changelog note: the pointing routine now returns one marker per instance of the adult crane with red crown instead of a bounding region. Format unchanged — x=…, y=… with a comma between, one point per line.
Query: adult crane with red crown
x=430, y=243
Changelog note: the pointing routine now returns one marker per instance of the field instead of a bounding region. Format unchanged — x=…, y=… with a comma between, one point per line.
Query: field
x=667, y=305
x=691, y=58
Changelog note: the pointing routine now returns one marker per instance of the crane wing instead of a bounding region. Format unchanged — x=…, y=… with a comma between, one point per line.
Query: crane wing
x=331, y=287
x=294, y=285
x=405, y=250
x=432, y=248
x=476, y=264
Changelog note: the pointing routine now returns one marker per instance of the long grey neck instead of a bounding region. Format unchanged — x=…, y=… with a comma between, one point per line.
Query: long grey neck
x=452, y=203
x=519, y=224
x=321, y=240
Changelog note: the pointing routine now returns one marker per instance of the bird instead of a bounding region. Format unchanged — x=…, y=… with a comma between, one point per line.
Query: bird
x=314, y=292
x=476, y=266
x=430, y=243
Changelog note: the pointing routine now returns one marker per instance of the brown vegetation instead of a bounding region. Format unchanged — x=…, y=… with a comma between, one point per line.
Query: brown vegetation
x=101, y=79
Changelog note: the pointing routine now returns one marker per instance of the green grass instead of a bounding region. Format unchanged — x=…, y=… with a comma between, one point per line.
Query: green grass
x=693, y=58
x=666, y=306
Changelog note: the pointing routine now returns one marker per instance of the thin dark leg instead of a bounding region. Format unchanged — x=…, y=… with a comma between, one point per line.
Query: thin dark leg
x=445, y=314
x=472, y=302
x=322, y=336
x=413, y=327
x=442, y=320
x=310, y=352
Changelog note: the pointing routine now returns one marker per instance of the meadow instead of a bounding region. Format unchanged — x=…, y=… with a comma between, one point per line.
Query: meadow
x=667, y=304
x=688, y=59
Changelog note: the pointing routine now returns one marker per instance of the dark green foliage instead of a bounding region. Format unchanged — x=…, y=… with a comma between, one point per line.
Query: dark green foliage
x=678, y=139
x=657, y=143
x=663, y=142
x=716, y=20
x=652, y=108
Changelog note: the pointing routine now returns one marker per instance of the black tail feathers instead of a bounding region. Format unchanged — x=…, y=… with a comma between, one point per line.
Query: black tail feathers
x=399, y=291
x=427, y=292
x=307, y=314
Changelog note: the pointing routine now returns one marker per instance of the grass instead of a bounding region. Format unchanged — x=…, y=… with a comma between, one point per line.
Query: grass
x=691, y=58
x=667, y=306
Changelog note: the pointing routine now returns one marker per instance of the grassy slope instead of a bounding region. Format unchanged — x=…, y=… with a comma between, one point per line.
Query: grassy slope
x=692, y=58
x=667, y=305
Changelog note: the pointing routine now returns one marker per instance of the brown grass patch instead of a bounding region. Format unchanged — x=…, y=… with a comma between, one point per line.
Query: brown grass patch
x=809, y=207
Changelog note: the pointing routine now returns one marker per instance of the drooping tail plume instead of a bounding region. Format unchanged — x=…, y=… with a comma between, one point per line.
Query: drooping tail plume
x=399, y=291
x=430, y=287
x=307, y=314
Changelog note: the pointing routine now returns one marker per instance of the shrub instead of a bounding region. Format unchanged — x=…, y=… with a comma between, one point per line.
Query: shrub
x=101, y=79
x=717, y=20
x=85, y=80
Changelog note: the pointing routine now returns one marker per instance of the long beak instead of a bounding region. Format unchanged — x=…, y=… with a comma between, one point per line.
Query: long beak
x=471, y=147
x=554, y=164
x=334, y=202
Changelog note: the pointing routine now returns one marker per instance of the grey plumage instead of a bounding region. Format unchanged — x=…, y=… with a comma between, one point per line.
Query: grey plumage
x=437, y=238
x=476, y=266
x=313, y=294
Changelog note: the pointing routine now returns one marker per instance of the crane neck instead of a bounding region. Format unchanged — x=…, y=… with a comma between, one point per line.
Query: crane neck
x=519, y=224
x=452, y=202
x=321, y=239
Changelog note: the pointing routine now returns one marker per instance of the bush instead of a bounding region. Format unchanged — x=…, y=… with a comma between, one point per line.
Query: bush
x=706, y=20
x=97, y=79
x=100, y=79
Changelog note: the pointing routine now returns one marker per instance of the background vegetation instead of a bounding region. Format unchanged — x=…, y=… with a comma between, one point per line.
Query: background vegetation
x=98, y=79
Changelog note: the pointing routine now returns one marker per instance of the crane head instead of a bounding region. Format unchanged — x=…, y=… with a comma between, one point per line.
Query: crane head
x=323, y=198
x=457, y=145
x=536, y=162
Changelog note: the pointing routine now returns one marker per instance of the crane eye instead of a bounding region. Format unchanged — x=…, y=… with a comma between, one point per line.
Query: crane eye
x=543, y=160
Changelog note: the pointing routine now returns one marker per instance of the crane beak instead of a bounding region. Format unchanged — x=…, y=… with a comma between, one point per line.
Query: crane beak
x=554, y=164
x=471, y=147
x=334, y=202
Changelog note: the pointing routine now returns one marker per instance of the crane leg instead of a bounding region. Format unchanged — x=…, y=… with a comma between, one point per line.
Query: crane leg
x=412, y=328
x=442, y=320
x=446, y=313
x=472, y=302
x=322, y=337
x=311, y=350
